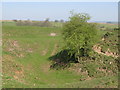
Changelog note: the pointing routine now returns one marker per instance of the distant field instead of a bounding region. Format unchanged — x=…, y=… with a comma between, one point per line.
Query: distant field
x=106, y=25
x=26, y=50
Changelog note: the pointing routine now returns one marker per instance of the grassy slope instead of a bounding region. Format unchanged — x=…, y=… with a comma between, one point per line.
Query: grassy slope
x=26, y=50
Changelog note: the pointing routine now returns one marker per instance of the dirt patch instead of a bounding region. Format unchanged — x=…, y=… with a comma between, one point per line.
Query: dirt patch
x=89, y=78
x=19, y=75
x=52, y=34
x=14, y=47
x=0, y=42
x=12, y=69
x=15, y=43
x=55, y=49
x=44, y=52
x=103, y=39
x=98, y=49
x=101, y=69
x=29, y=50
x=45, y=68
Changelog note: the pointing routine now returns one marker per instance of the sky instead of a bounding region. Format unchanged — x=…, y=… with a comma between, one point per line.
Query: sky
x=99, y=11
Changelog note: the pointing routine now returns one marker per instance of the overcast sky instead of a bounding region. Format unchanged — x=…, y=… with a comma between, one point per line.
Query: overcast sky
x=99, y=11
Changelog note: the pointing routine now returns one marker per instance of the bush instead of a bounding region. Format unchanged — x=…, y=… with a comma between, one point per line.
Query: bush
x=79, y=35
x=37, y=23
x=46, y=24
x=56, y=21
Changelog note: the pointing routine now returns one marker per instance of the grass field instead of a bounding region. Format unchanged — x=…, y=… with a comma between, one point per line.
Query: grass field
x=26, y=50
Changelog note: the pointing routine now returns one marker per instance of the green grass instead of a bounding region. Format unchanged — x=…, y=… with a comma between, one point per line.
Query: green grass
x=26, y=50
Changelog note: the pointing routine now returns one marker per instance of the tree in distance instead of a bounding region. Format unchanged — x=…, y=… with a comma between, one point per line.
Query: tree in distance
x=61, y=20
x=56, y=21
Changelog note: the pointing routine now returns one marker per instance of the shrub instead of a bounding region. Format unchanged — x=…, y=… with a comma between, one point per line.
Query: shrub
x=79, y=35
x=45, y=24
x=15, y=20
x=37, y=23
x=61, y=20
x=56, y=21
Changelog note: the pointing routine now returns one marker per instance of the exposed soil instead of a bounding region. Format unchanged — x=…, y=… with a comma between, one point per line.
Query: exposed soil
x=52, y=34
x=54, y=50
x=44, y=52
x=98, y=49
